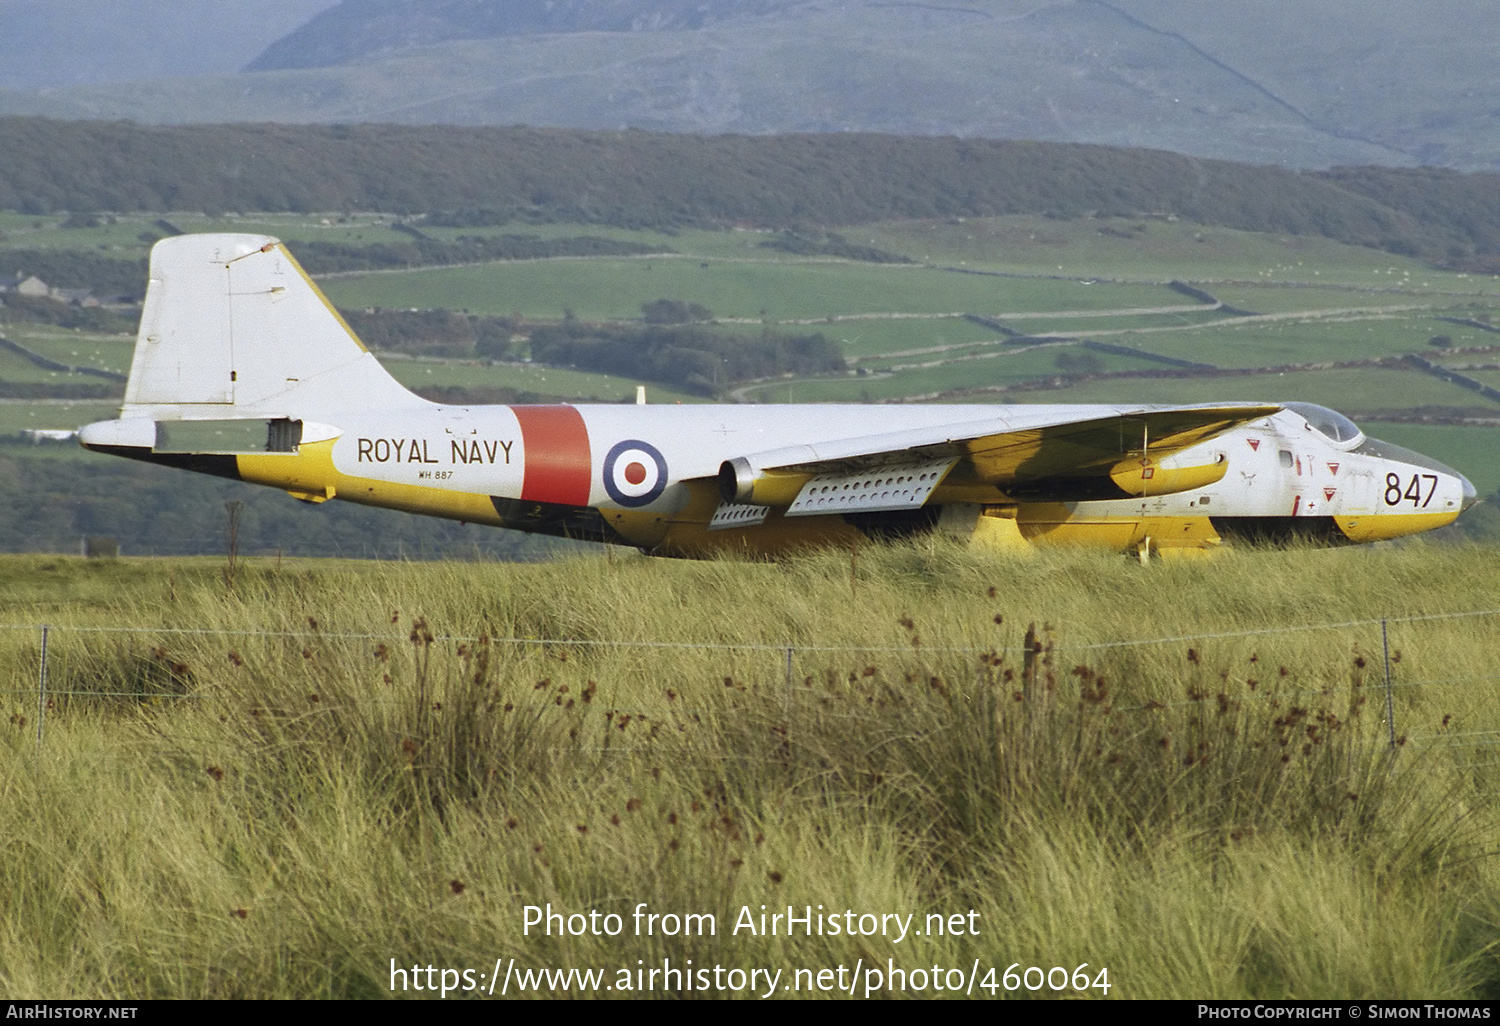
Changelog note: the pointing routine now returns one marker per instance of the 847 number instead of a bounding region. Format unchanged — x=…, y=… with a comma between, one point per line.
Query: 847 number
x=1413, y=493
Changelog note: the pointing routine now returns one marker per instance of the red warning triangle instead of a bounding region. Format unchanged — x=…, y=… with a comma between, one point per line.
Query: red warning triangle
x=1333, y=468
x=1254, y=444
x=1328, y=493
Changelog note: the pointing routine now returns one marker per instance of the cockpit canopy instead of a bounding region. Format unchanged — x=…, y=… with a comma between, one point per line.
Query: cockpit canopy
x=1331, y=424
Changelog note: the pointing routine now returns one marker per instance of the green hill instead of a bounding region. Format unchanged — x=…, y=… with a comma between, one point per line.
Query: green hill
x=657, y=180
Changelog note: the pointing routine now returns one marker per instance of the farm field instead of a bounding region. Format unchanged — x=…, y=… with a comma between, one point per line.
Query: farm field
x=75, y=348
x=1260, y=343
x=781, y=289
x=580, y=386
x=1138, y=248
x=17, y=415
x=1356, y=390
x=935, y=330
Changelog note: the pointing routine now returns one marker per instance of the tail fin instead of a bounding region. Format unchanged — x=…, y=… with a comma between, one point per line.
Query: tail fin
x=234, y=328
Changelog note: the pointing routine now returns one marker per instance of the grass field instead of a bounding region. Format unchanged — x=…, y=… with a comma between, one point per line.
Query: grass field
x=17, y=415
x=394, y=773
x=1139, y=248
x=779, y=289
x=580, y=386
x=990, y=366
x=75, y=348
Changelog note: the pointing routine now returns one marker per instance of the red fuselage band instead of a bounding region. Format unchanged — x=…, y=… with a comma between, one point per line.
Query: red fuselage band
x=558, y=465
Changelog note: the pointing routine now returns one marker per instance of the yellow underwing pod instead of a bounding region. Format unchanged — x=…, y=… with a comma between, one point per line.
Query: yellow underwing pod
x=1149, y=475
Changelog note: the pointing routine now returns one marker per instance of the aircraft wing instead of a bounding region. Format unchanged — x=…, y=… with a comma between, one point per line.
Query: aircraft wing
x=1055, y=455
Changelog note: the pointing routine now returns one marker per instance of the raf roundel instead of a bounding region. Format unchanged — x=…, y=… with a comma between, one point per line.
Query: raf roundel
x=634, y=473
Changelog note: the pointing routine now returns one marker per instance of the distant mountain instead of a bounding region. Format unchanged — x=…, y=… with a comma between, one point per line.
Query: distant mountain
x=52, y=43
x=358, y=28
x=1315, y=84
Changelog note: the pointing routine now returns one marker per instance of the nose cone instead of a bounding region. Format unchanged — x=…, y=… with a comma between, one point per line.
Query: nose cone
x=1471, y=496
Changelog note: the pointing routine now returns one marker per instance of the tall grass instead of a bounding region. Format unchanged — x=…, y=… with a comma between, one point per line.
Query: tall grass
x=352, y=763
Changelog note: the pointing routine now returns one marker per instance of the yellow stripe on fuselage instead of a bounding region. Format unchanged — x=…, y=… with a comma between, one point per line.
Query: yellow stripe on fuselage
x=1055, y=523
x=310, y=474
x=1384, y=526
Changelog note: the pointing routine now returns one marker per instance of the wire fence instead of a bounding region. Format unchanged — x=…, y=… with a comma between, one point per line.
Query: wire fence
x=802, y=669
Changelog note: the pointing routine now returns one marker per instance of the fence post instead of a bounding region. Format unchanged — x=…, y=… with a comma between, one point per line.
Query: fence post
x=1390, y=706
x=788, y=703
x=41, y=690
x=786, y=738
